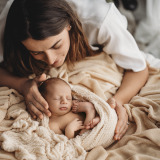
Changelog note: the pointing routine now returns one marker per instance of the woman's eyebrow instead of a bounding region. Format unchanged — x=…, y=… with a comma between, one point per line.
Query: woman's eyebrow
x=49, y=48
x=55, y=43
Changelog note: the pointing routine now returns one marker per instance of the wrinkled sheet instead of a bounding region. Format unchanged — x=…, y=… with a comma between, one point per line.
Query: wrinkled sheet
x=142, y=140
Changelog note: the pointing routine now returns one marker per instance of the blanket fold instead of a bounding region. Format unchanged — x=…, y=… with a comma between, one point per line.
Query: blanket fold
x=142, y=140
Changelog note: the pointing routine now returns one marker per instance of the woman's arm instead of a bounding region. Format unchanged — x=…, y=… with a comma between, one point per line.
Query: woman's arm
x=36, y=104
x=7, y=79
x=131, y=84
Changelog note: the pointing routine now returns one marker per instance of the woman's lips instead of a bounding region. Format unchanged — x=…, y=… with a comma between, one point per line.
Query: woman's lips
x=54, y=63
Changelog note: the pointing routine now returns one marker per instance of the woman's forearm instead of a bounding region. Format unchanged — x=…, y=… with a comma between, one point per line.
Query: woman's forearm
x=131, y=84
x=11, y=81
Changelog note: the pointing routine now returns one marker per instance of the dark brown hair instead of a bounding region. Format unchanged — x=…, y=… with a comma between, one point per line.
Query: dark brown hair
x=39, y=19
x=48, y=82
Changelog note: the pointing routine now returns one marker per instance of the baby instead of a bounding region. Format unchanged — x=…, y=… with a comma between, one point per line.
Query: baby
x=63, y=121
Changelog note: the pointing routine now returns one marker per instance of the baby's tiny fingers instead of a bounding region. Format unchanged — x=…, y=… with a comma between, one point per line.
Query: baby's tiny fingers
x=82, y=127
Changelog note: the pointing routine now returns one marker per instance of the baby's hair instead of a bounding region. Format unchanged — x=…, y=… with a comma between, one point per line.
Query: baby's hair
x=53, y=80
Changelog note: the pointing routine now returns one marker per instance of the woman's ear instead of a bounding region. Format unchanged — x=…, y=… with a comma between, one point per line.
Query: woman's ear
x=69, y=27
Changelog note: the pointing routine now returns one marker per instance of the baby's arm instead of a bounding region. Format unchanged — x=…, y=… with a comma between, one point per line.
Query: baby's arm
x=87, y=107
x=72, y=127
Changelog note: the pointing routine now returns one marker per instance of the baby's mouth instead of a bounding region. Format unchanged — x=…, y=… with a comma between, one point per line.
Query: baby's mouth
x=63, y=108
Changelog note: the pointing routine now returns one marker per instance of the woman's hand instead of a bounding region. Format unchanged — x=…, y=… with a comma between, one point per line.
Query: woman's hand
x=122, y=124
x=130, y=86
x=35, y=103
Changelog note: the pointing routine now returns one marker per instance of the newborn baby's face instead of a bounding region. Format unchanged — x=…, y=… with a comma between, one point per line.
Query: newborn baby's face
x=59, y=99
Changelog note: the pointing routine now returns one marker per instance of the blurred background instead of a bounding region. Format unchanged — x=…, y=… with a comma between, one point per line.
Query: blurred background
x=2, y=4
x=143, y=22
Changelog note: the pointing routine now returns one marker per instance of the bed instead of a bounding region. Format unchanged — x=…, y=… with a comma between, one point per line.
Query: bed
x=21, y=137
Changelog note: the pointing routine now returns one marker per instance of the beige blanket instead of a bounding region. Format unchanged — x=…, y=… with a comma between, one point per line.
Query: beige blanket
x=30, y=139
x=142, y=140
x=101, y=76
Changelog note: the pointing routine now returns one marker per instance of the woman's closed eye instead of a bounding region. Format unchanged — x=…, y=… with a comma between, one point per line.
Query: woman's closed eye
x=36, y=53
x=56, y=46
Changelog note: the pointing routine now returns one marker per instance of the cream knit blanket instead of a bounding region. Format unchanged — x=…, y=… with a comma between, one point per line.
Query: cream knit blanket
x=94, y=79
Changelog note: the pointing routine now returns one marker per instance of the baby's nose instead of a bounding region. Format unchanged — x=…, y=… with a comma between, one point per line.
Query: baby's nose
x=64, y=100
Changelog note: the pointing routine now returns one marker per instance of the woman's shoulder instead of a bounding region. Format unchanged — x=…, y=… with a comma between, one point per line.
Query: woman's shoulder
x=90, y=10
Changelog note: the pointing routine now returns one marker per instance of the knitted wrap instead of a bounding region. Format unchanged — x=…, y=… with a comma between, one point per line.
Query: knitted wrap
x=94, y=79
x=103, y=133
x=31, y=139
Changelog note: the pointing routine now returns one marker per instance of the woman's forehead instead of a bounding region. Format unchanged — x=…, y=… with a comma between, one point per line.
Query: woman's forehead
x=42, y=45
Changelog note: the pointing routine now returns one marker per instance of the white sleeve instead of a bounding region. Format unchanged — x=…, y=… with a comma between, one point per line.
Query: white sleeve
x=3, y=17
x=91, y=14
x=119, y=43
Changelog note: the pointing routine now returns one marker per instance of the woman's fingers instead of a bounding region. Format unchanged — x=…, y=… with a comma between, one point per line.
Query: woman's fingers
x=36, y=104
x=123, y=132
x=112, y=102
x=122, y=125
x=34, y=111
x=39, y=104
x=32, y=114
x=40, y=78
x=39, y=100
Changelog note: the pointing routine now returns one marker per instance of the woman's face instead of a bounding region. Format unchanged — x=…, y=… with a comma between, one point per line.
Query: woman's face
x=52, y=50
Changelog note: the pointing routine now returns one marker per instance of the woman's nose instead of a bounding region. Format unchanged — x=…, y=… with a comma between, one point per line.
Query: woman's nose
x=50, y=57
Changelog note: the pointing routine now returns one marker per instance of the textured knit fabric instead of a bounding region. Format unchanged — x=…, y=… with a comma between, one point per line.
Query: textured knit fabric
x=30, y=139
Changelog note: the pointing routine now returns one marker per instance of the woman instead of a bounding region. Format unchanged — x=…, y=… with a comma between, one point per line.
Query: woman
x=42, y=34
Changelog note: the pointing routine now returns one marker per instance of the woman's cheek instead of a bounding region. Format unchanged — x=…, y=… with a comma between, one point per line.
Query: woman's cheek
x=39, y=57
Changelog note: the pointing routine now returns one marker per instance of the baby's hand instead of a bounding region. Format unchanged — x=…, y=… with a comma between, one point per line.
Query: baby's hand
x=75, y=125
x=75, y=106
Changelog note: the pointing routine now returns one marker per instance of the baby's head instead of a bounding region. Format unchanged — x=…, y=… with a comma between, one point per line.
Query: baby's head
x=57, y=93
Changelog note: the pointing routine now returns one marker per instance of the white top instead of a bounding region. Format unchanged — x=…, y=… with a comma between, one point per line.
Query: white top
x=104, y=24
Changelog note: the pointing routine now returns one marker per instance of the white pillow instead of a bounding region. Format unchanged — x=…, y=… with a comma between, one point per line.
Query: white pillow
x=3, y=17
